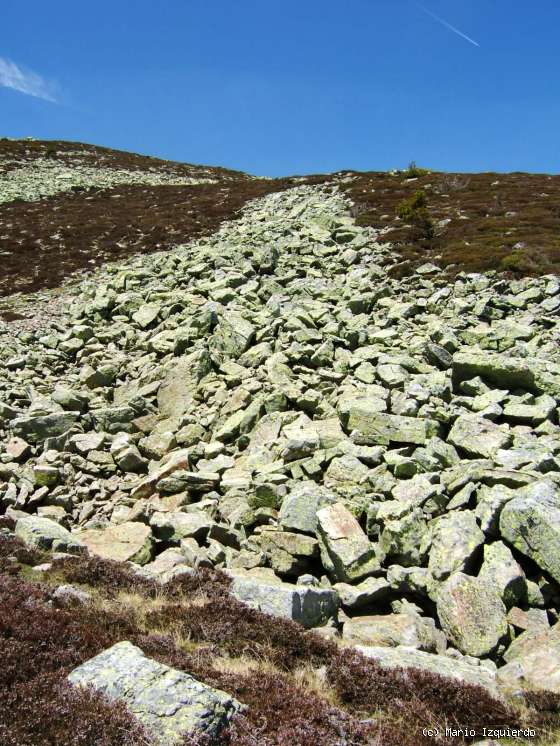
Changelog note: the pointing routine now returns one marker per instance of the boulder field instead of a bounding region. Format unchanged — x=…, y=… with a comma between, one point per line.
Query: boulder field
x=374, y=457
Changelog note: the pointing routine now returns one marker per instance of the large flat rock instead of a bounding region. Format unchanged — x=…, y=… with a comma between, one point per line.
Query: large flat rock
x=169, y=703
x=127, y=542
x=310, y=607
x=383, y=429
x=505, y=371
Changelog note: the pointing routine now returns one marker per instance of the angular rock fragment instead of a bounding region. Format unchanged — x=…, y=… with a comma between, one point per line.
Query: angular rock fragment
x=174, y=526
x=533, y=661
x=147, y=486
x=310, y=607
x=478, y=437
x=349, y=554
x=531, y=523
x=43, y=533
x=298, y=511
x=169, y=703
x=127, y=542
x=456, y=538
x=392, y=630
x=35, y=429
x=471, y=614
x=383, y=429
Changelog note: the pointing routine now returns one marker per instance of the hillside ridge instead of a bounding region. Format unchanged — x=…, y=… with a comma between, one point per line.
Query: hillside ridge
x=277, y=454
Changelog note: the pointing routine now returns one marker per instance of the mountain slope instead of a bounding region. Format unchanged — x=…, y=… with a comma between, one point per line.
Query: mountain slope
x=346, y=443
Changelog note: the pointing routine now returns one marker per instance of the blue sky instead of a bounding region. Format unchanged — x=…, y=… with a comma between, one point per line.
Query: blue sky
x=300, y=86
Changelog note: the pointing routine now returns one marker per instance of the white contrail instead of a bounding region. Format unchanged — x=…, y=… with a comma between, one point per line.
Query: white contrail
x=448, y=25
x=24, y=81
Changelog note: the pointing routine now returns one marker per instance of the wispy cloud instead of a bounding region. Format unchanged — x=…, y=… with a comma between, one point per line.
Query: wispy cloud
x=25, y=81
x=448, y=25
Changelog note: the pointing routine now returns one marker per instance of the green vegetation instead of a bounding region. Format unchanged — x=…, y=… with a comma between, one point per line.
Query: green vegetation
x=414, y=172
x=414, y=212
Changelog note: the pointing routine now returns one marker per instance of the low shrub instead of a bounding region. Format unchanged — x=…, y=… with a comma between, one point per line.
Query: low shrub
x=109, y=576
x=415, y=172
x=239, y=630
x=414, y=212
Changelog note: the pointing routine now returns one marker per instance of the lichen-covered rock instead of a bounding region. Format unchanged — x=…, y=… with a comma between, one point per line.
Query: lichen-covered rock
x=533, y=661
x=35, y=429
x=456, y=538
x=369, y=592
x=501, y=570
x=405, y=541
x=471, y=614
x=507, y=371
x=309, y=606
x=43, y=533
x=174, y=526
x=232, y=336
x=478, y=437
x=127, y=542
x=531, y=523
x=147, y=486
x=391, y=630
x=383, y=429
x=345, y=546
x=169, y=703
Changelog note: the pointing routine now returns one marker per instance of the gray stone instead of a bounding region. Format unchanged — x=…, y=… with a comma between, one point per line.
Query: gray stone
x=43, y=533
x=169, y=703
x=531, y=523
x=344, y=545
x=127, y=542
x=310, y=607
x=35, y=429
x=383, y=429
x=456, y=538
x=405, y=541
x=176, y=525
x=471, y=614
x=298, y=511
x=391, y=630
x=507, y=371
x=478, y=437
x=367, y=593
x=501, y=571
x=533, y=661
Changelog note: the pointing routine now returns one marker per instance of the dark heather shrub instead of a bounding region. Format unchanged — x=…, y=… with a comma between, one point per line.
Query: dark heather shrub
x=13, y=551
x=282, y=714
x=112, y=577
x=240, y=630
x=47, y=711
x=423, y=697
